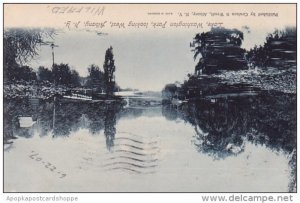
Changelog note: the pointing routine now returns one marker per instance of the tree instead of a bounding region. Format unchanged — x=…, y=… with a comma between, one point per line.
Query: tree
x=75, y=79
x=279, y=50
x=27, y=73
x=95, y=78
x=63, y=75
x=20, y=45
x=22, y=73
x=219, y=49
x=109, y=69
x=44, y=74
x=169, y=91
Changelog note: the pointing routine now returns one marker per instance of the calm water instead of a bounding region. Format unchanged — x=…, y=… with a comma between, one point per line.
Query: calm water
x=240, y=145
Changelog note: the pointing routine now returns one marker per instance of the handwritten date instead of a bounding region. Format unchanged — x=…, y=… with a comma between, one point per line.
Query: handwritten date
x=35, y=156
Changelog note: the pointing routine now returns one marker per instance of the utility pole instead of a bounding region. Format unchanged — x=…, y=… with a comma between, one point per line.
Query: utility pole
x=52, y=46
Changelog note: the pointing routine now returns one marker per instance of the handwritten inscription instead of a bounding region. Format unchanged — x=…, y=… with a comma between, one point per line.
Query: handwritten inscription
x=35, y=156
x=92, y=10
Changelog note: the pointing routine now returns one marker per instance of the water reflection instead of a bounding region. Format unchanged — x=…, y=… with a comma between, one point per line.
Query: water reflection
x=110, y=126
x=60, y=118
x=158, y=139
x=222, y=125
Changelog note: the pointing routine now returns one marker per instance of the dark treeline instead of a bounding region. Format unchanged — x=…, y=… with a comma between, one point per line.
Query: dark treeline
x=95, y=78
x=279, y=50
x=59, y=74
x=219, y=51
x=22, y=45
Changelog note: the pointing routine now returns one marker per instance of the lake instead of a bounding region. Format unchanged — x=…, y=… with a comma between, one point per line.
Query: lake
x=234, y=144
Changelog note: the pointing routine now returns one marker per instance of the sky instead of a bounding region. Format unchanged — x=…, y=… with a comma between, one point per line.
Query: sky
x=143, y=61
x=146, y=59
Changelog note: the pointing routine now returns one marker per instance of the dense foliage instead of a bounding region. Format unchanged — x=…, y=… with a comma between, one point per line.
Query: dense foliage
x=19, y=46
x=109, y=69
x=279, y=50
x=219, y=49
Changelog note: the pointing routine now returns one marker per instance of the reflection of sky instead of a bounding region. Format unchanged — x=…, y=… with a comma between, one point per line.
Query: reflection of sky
x=179, y=166
x=146, y=61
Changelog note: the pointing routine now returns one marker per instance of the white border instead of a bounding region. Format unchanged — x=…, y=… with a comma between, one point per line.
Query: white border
x=134, y=197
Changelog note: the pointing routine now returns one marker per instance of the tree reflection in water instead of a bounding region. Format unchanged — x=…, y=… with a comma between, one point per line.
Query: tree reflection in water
x=61, y=118
x=110, y=126
x=222, y=126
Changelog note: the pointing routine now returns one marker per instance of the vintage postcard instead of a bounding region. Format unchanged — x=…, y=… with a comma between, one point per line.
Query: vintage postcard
x=149, y=98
